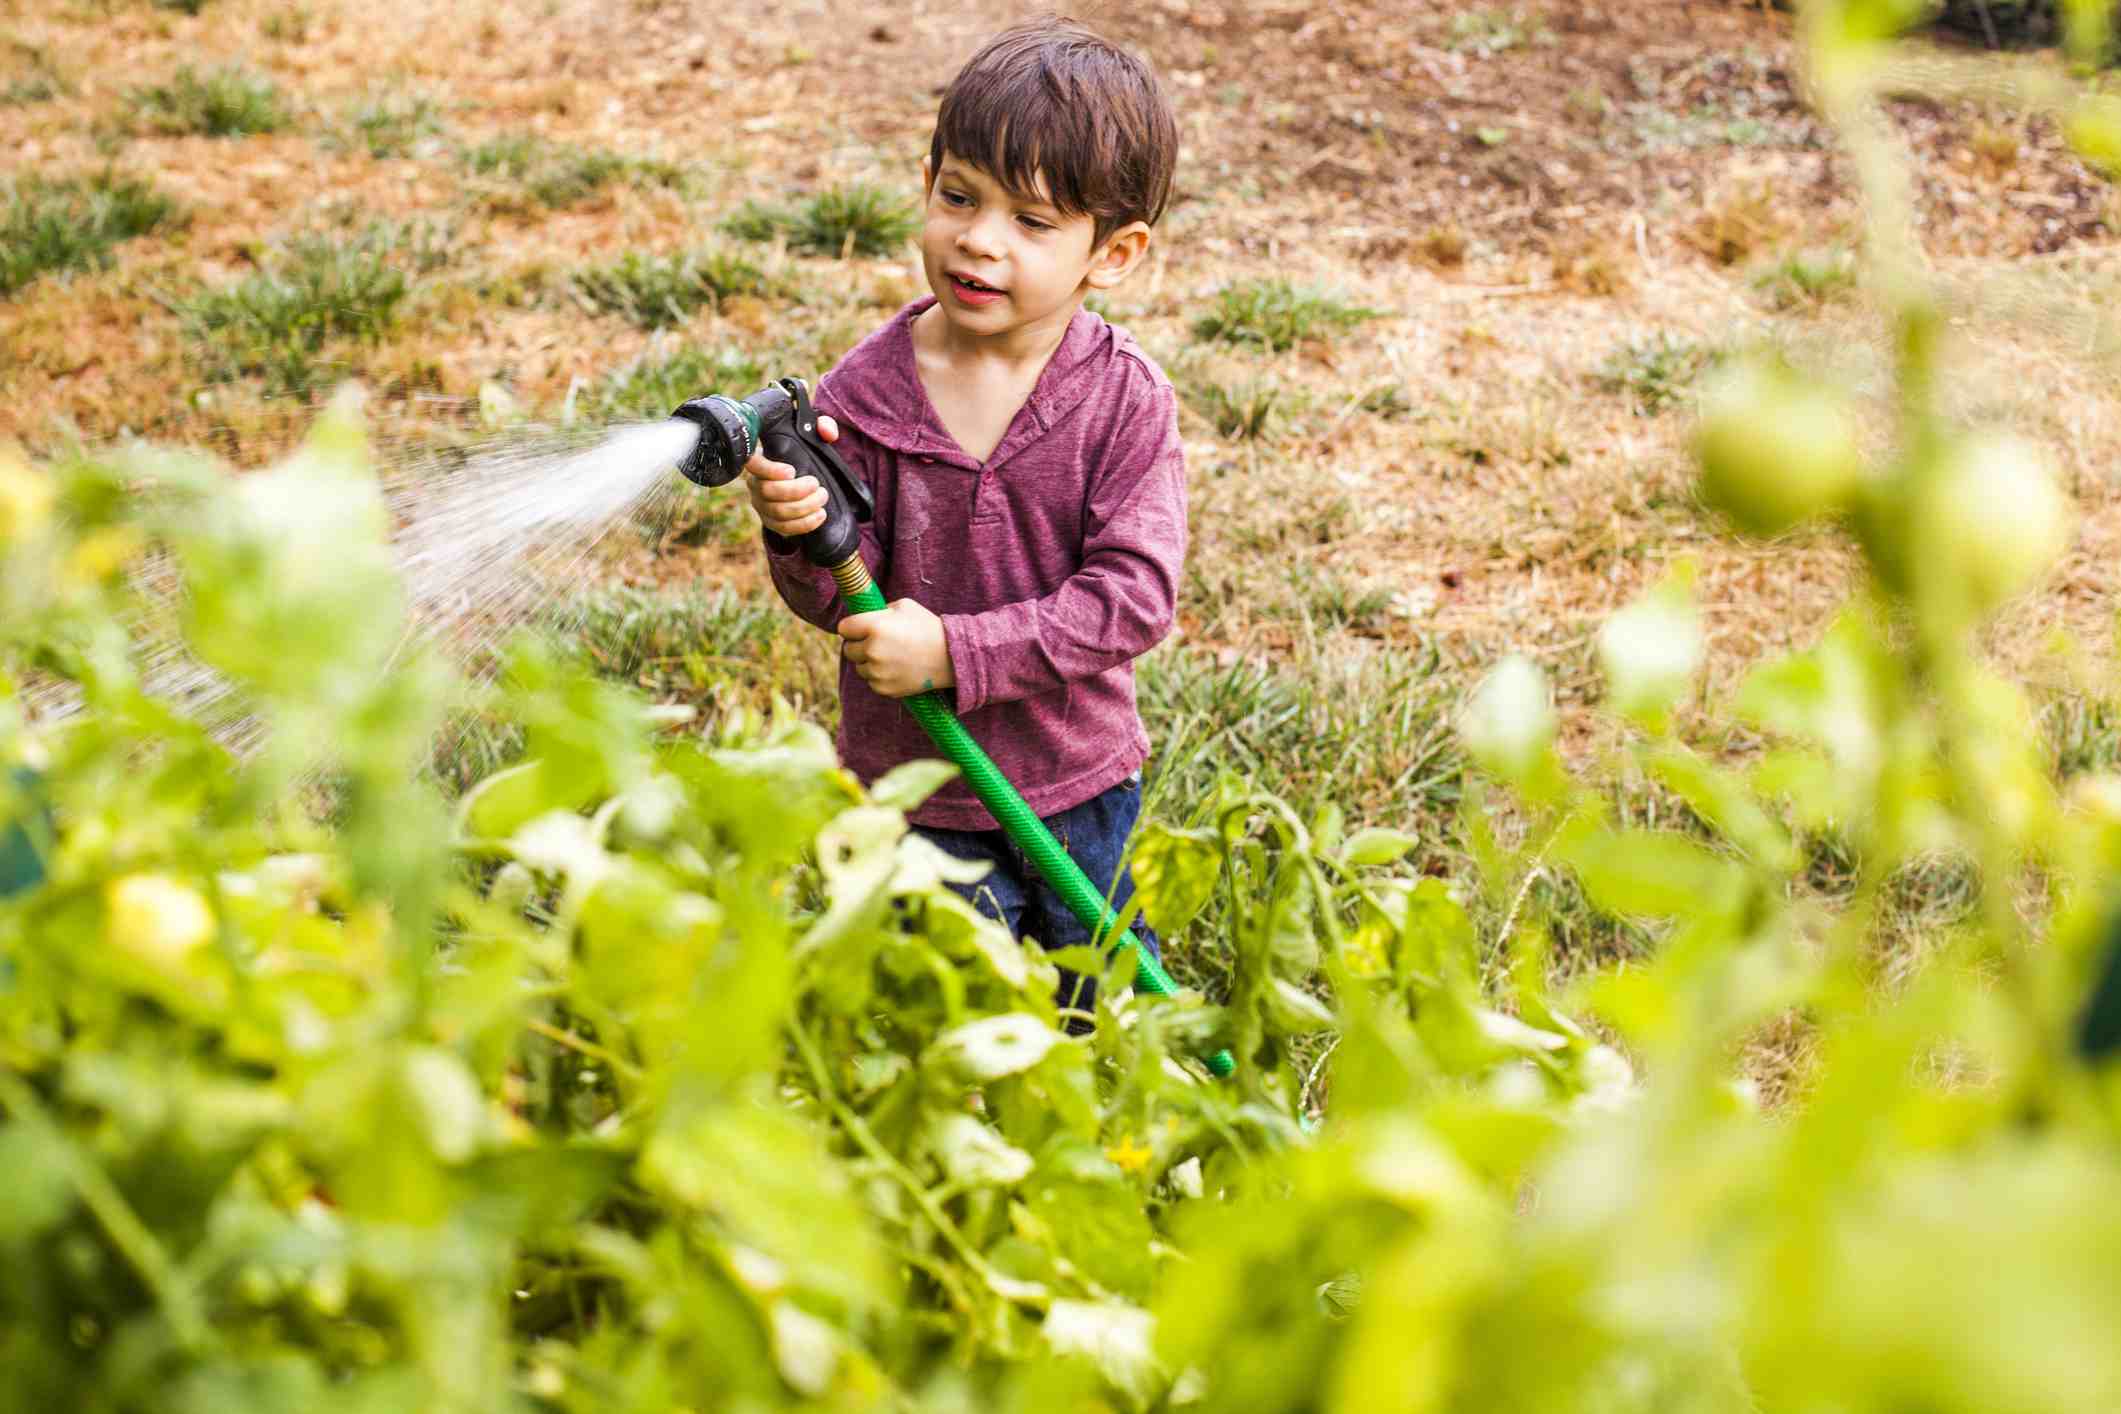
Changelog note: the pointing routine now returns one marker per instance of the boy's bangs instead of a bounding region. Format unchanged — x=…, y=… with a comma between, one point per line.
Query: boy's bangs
x=1026, y=145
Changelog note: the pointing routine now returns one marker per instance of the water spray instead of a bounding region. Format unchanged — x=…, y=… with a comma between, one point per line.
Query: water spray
x=779, y=420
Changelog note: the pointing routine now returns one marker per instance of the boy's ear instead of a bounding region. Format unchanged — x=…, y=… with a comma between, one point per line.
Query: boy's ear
x=927, y=176
x=1115, y=260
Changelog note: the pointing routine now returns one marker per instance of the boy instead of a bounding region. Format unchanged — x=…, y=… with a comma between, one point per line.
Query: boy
x=1025, y=460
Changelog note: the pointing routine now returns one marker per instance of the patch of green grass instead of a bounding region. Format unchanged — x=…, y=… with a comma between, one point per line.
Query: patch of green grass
x=223, y=102
x=658, y=291
x=2083, y=735
x=687, y=643
x=1276, y=315
x=388, y=124
x=284, y=322
x=651, y=387
x=1807, y=279
x=1654, y=373
x=40, y=85
x=523, y=171
x=1495, y=29
x=853, y=220
x=1243, y=411
x=72, y=224
x=182, y=7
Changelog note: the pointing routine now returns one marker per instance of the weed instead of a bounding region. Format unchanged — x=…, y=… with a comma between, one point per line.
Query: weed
x=1242, y=410
x=1741, y=222
x=388, y=125
x=1388, y=401
x=182, y=7
x=289, y=24
x=658, y=291
x=1276, y=315
x=1329, y=601
x=280, y=322
x=1445, y=246
x=72, y=224
x=688, y=642
x=37, y=88
x=1494, y=30
x=1807, y=279
x=2083, y=735
x=525, y=171
x=852, y=220
x=1655, y=372
x=224, y=102
x=651, y=387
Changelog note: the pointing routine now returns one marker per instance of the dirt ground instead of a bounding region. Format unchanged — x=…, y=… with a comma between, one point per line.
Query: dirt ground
x=1531, y=195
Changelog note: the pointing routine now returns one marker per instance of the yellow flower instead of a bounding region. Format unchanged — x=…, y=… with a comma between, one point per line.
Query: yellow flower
x=1130, y=1155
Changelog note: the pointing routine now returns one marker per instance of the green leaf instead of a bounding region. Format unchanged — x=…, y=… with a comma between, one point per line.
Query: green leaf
x=906, y=786
x=1175, y=873
x=993, y=1046
x=1376, y=846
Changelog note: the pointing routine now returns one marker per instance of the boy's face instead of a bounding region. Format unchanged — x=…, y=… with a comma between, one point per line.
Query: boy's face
x=1000, y=260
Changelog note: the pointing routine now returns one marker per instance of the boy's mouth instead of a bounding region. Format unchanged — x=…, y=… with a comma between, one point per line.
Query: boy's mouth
x=973, y=291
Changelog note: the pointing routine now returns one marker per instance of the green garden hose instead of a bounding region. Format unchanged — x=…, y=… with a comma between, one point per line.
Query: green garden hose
x=861, y=596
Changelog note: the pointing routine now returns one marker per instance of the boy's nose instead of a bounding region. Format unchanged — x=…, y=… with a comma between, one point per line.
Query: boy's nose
x=980, y=238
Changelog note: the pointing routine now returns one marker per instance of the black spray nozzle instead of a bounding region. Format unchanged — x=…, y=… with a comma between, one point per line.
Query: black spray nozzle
x=779, y=421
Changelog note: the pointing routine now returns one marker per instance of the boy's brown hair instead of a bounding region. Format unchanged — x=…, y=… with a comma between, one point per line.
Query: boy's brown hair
x=1051, y=99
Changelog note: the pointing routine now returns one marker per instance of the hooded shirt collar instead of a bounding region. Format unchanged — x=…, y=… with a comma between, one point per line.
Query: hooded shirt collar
x=878, y=388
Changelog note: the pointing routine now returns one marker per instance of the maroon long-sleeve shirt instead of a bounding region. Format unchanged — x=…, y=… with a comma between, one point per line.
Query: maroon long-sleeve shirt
x=1053, y=564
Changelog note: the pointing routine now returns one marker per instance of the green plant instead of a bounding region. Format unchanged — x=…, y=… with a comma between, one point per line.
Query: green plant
x=388, y=124
x=72, y=224
x=658, y=291
x=653, y=384
x=287, y=321
x=1493, y=30
x=523, y=171
x=1808, y=279
x=182, y=7
x=40, y=84
x=1655, y=372
x=1243, y=410
x=1276, y=315
x=223, y=102
x=852, y=220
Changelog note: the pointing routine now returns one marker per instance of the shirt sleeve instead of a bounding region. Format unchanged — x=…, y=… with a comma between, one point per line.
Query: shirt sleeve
x=1118, y=604
x=808, y=589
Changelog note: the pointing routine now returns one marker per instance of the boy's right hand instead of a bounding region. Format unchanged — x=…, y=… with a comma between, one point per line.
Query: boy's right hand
x=787, y=504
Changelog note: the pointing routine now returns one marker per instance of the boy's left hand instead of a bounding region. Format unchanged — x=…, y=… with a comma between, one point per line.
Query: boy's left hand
x=898, y=651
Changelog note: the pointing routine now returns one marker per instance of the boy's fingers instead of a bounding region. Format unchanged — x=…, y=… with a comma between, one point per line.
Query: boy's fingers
x=858, y=625
x=759, y=469
x=803, y=489
x=827, y=428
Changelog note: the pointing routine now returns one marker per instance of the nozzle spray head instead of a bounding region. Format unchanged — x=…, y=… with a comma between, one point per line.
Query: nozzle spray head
x=779, y=420
x=729, y=434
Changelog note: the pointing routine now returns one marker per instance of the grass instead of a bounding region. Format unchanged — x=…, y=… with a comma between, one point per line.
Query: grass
x=284, y=322
x=1276, y=315
x=853, y=220
x=389, y=124
x=651, y=387
x=523, y=172
x=1807, y=279
x=73, y=224
x=689, y=643
x=659, y=291
x=1654, y=373
x=223, y=102
x=1493, y=30
x=1243, y=411
x=36, y=88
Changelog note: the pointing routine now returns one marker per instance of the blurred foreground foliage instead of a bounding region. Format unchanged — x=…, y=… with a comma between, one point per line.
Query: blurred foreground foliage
x=662, y=1072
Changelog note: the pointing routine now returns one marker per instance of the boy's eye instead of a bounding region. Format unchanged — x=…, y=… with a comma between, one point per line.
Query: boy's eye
x=1032, y=223
x=956, y=198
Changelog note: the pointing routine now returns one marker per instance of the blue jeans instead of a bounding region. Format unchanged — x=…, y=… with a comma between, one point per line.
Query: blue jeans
x=1014, y=893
